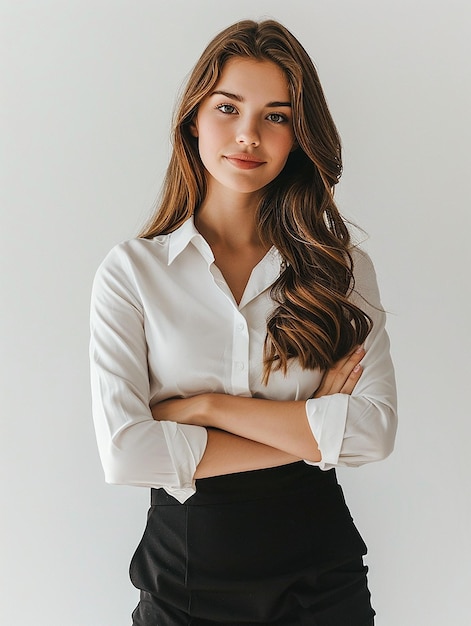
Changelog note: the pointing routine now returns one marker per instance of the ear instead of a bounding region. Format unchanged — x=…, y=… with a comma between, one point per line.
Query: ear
x=194, y=128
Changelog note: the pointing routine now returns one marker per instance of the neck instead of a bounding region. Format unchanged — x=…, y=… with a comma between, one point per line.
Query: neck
x=228, y=219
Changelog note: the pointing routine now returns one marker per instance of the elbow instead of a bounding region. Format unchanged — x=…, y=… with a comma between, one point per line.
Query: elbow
x=123, y=464
x=128, y=456
x=381, y=434
x=119, y=469
x=139, y=456
x=373, y=437
x=383, y=449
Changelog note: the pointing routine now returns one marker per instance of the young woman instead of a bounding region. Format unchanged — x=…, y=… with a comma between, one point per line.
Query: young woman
x=226, y=348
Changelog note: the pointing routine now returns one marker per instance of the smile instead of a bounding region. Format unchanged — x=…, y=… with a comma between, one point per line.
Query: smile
x=244, y=161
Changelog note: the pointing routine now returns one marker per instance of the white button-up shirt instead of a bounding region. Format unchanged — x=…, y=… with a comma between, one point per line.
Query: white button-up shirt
x=164, y=323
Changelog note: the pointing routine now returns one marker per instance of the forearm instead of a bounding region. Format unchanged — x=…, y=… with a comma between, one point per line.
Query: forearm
x=278, y=424
x=228, y=454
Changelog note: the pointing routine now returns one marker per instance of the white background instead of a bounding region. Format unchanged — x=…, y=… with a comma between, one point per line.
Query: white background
x=88, y=87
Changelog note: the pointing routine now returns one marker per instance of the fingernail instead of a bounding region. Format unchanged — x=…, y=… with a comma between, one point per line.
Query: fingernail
x=356, y=368
x=359, y=349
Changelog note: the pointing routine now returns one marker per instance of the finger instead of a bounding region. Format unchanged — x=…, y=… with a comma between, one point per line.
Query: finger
x=331, y=376
x=349, y=364
x=336, y=377
x=352, y=380
x=340, y=372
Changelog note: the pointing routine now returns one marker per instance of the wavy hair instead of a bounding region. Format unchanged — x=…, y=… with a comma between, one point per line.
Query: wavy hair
x=313, y=319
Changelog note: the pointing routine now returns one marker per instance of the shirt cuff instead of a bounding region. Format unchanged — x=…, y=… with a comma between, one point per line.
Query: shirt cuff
x=327, y=417
x=186, y=444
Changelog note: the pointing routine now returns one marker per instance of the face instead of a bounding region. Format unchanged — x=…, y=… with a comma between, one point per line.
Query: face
x=244, y=126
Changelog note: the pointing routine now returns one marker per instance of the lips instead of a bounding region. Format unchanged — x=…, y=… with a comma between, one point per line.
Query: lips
x=244, y=161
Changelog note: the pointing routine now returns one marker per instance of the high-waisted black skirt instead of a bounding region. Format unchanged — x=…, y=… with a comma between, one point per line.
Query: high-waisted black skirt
x=274, y=546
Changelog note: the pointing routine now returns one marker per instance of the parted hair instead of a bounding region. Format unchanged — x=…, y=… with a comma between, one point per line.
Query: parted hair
x=313, y=319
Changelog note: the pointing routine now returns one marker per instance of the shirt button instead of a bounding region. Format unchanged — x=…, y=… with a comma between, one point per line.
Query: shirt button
x=239, y=366
x=240, y=327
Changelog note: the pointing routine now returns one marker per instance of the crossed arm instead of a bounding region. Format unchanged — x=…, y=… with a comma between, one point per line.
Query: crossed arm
x=249, y=433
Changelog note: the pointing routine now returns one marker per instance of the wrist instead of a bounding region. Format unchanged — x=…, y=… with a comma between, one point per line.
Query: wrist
x=201, y=410
x=211, y=402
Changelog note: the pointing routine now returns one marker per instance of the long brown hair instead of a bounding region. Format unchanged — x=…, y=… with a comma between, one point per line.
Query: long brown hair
x=314, y=320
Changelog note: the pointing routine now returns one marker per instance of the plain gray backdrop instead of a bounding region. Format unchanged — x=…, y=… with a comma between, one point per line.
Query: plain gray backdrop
x=88, y=89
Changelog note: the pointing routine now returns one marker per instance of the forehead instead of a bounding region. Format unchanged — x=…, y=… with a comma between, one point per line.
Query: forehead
x=253, y=77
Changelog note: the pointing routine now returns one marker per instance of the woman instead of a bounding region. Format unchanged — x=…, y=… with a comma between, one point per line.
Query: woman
x=226, y=348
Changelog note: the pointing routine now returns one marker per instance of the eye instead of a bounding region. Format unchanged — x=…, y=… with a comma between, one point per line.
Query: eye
x=277, y=118
x=228, y=109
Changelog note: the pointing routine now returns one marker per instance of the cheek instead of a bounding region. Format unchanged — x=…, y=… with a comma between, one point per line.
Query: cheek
x=290, y=144
x=284, y=151
x=209, y=136
x=283, y=145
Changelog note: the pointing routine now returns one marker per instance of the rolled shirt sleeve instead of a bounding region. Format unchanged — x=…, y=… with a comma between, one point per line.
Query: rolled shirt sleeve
x=351, y=430
x=134, y=448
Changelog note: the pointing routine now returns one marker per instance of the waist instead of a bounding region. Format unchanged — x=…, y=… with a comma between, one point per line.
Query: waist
x=254, y=485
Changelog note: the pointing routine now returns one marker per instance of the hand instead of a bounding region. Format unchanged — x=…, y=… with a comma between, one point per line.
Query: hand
x=193, y=410
x=343, y=376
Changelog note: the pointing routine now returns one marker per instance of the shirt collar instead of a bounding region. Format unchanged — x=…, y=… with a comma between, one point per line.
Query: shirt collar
x=182, y=236
x=263, y=274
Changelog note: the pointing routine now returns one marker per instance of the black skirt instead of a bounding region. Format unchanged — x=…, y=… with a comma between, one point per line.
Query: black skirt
x=274, y=546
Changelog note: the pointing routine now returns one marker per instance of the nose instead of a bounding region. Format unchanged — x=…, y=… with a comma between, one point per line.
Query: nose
x=248, y=133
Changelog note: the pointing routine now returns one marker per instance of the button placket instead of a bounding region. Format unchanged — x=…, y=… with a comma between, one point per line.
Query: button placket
x=240, y=356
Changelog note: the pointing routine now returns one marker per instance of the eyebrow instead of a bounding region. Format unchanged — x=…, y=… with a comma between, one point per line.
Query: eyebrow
x=234, y=96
